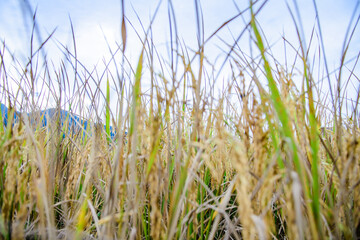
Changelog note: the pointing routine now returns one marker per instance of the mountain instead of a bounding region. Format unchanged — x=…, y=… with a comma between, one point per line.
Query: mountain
x=50, y=116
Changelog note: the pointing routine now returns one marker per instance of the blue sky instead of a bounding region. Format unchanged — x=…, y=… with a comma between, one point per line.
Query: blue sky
x=93, y=20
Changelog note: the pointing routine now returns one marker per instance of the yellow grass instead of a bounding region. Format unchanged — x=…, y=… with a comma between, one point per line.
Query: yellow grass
x=187, y=163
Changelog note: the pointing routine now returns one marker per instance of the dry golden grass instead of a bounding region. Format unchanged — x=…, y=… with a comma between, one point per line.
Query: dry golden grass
x=186, y=164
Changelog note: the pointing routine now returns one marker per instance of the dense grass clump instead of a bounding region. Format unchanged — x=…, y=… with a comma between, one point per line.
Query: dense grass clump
x=269, y=157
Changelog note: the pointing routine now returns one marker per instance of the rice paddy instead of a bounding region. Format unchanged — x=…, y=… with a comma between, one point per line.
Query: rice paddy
x=265, y=157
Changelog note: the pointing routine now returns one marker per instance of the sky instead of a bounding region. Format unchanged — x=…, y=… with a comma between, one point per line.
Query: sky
x=97, y=27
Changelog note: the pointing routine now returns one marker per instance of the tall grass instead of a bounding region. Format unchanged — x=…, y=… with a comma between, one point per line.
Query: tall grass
x=258, y=161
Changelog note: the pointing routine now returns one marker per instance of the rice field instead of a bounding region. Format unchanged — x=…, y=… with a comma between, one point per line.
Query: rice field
x=268, y=156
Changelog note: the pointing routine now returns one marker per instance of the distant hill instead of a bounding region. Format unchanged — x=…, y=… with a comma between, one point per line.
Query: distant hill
x=75, y=122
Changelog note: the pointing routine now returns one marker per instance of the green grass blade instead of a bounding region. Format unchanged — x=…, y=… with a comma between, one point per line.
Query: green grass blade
x=107, y=116
x=136, y=93
x=314, y=145
x=276, y=99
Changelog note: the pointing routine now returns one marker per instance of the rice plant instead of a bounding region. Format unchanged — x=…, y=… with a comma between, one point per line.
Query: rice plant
x=265, y=156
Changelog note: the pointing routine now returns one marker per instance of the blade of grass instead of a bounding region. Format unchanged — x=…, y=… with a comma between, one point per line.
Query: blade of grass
x=286, y=127
x=107, y=115
x=136, y=93
x=276, y=99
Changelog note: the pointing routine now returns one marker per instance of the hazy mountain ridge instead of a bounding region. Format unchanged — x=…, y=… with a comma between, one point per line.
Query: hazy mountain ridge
x=75, y=122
